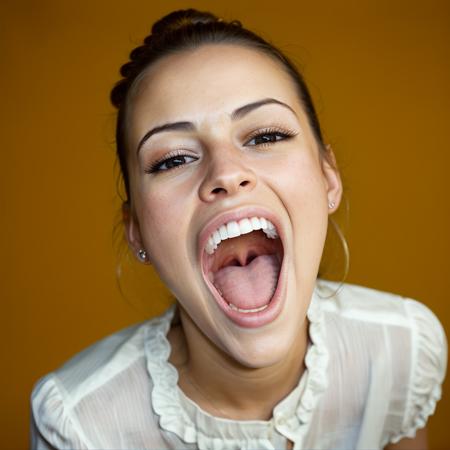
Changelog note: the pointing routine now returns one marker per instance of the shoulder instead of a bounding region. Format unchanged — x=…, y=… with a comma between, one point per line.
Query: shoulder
x=401, y=344
x=406, y=325
x=363, y=304
x=101, y=361
x=105, y=383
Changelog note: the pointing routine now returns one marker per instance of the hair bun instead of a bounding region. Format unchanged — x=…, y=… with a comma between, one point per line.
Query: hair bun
x=182, y=18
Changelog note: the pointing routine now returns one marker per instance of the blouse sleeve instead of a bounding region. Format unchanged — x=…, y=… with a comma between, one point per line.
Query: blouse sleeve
x=428, y=367
x=51, y=424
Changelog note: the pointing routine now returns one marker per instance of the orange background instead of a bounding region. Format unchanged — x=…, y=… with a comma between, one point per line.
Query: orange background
x=379, y=72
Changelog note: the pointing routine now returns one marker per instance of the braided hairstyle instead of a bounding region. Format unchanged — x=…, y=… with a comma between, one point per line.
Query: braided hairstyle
x=185, y=30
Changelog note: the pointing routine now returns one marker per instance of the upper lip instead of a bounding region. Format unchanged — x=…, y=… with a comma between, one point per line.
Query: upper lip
x=236, y=215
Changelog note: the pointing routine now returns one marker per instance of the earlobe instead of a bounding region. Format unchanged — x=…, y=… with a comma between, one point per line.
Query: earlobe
x=133, y=233
x=332, y=179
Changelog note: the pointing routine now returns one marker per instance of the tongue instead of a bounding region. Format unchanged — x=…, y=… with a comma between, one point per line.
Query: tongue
x=250, y=286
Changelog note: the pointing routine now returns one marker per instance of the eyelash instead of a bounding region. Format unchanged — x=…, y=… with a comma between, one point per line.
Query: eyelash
x=284, y=134
x=156, y=166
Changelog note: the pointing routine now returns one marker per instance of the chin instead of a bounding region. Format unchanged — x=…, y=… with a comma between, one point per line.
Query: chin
x=270, y=345
x=252, y=294
x=264, y=351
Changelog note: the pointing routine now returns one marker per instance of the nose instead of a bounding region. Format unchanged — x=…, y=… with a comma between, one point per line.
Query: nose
x=228, y=175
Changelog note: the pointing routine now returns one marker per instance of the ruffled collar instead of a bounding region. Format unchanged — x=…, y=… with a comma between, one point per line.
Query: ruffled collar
x=180, y=415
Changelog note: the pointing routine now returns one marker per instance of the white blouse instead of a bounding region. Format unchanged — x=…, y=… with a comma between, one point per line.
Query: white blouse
x=373, y=375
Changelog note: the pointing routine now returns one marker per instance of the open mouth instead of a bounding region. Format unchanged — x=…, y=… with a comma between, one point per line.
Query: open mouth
x=242, y=264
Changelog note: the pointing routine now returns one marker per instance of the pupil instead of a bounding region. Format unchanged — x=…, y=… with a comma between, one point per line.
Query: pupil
x=175, y=161
x=265, y=138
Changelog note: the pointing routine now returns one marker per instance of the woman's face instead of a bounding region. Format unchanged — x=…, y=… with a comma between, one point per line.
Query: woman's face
x=229, y=141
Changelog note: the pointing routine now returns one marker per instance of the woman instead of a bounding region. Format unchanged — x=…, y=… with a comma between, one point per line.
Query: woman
x=229, y=190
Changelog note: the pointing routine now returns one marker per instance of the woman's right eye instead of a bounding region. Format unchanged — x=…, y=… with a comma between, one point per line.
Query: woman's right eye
x=170, y=163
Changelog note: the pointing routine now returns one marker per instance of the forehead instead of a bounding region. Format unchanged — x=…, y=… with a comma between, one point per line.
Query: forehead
x=208, y=83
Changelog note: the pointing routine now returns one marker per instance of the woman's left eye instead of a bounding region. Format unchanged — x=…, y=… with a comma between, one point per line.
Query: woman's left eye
x=267, y=138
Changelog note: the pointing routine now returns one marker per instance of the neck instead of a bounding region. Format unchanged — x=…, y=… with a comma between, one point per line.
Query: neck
x=222, y=386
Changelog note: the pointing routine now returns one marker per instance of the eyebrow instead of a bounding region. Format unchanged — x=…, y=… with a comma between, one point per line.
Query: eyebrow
x=237, y=114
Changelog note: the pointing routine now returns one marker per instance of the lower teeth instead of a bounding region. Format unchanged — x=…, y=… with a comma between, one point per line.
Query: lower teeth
x=245, y=311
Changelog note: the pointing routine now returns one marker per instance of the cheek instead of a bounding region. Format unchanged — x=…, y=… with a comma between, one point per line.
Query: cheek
x=164, y=227
x=298, y=177
x=159, y=212
x=164, y=206
x=302, y=188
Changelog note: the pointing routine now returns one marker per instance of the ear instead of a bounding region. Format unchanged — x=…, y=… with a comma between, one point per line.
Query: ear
x=332, y=179
x=133, y=233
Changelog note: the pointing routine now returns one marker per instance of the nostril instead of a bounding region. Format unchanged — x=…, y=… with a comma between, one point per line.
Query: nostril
x=229, y=186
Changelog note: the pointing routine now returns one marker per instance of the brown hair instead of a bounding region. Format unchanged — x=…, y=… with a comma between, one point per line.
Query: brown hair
x=185, y=30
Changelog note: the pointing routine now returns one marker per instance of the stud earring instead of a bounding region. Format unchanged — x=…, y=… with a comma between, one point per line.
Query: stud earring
x=331, y=205
x=142, y=254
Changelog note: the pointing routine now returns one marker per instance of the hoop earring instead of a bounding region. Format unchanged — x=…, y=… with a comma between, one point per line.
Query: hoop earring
x=347, y=258
x=142, y=255
x=344, y=243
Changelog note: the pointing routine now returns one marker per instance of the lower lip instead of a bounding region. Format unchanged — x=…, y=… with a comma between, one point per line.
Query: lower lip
x=254, y=319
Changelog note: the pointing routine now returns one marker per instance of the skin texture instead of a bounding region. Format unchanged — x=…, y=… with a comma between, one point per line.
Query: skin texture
x=169, y=209
x=228, y=370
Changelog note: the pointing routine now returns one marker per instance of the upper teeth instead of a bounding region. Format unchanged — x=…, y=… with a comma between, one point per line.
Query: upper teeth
x=233, y=229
